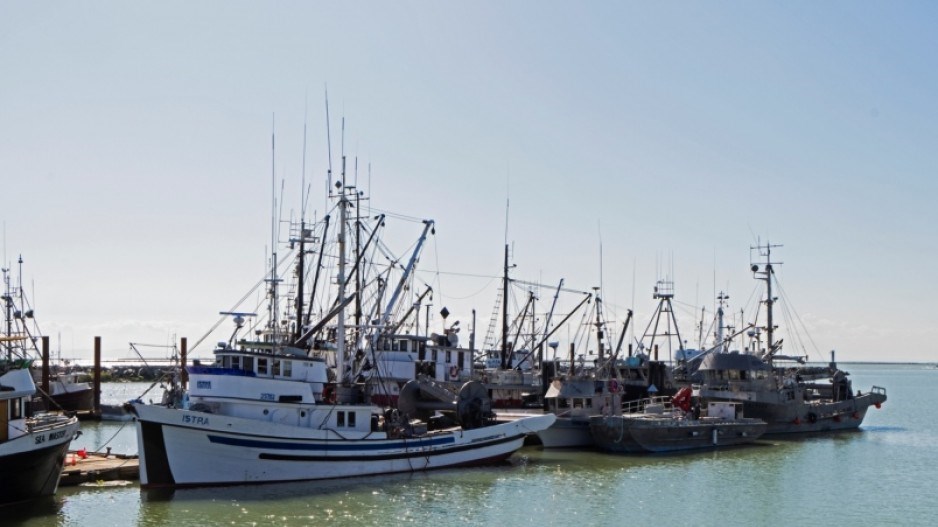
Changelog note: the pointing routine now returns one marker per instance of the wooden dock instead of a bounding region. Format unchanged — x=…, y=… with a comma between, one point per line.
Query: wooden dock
x=98, y=467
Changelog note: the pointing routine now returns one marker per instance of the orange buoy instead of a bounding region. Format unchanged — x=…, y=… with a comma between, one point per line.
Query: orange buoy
x=878, y=406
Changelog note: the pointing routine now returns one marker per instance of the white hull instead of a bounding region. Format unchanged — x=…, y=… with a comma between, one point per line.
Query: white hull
x=183, y=448
x=567, y=433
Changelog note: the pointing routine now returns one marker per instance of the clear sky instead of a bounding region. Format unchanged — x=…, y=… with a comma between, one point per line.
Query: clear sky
x=667, y=137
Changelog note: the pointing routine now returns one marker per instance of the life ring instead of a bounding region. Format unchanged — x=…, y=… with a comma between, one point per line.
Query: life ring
x=454, y=373
x=613, y=386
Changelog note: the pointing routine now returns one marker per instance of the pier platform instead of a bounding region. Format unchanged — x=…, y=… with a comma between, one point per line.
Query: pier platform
x=98, y=467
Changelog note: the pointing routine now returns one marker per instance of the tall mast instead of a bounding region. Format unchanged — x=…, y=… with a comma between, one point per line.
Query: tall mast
x=767, y=274
x=300, y=271
x=722, y=297
x=273, y=315
x=505, y=312
x=599, y=326
x=340, y=329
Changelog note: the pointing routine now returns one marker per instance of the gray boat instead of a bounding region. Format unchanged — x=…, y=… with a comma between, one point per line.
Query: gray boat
x=785, y=392
x=661, y=424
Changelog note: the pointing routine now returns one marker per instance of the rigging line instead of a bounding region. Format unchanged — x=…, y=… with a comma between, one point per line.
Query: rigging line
x=789, y=304
x=477, y=293
x=398, y=216
x=233, y=308
x=436, y=256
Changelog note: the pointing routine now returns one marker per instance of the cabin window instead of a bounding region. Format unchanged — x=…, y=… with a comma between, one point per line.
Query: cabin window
x=16, y=409
x=448, y=356
x=589, y=403
x=386, y=346
x=248, y=363
x=340, y=419
x=288, y=368
x=403, y=345
x=276, y=369
x=351, y=419
x=395, y=346
x=434, y=355
x=262, y=366
x=461, y=357
x=236, y=363
x=421, y=351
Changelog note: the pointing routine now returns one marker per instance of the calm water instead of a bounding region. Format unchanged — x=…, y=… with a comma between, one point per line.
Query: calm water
x=882, y=475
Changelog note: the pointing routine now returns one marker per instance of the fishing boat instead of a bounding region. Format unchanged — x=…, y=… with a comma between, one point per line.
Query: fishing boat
x=287, y=402
x=671, y=424
x=66, y=390
x=789, y=394
x=266, y=413
x=32, y=448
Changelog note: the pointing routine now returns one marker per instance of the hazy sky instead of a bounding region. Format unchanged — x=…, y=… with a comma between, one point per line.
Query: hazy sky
x=668, y=137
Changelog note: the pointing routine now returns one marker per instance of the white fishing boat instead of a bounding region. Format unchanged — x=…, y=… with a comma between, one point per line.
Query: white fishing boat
x=291, y=403
x=265, y=415
x=32, y=448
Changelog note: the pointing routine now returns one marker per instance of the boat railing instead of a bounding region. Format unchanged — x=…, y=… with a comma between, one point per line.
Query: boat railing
x=641, y=405
x=44, y=422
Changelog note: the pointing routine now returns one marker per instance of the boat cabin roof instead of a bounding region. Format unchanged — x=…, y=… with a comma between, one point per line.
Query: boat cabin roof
x=733, y=361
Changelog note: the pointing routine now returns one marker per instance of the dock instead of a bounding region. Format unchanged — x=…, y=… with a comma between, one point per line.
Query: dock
x=97, y=466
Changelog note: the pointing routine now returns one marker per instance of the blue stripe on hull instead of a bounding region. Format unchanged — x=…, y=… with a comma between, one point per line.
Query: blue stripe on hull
x=336, y=445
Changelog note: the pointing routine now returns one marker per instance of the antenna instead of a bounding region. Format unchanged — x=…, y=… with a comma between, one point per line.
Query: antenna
x=273, y=180
x=303, y=194
x=328, y=145
x=600, y=229
x=507, y=201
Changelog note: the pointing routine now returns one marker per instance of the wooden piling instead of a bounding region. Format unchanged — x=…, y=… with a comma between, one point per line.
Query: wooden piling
x=45, y=366
x=97, y=376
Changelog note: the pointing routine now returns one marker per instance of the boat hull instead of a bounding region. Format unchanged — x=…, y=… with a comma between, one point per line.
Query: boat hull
x=77, y=401
x=183, y=448
x=814, y=417
x=27, y=472
x=614, y=434
x=696, y=435
x=623, y=434
x=567, y=433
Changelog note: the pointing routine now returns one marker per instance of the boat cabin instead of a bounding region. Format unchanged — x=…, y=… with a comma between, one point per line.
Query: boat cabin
x=721, y=370
x=16, y=389
x=404, y=357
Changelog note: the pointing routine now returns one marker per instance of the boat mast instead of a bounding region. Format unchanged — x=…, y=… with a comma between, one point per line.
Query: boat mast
x=300, y=272
x=767, y=275
x=340, y=327
x=505, y=312
x=719, y=336
x=599, y=327
x=8, y=312
x=272, y=307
